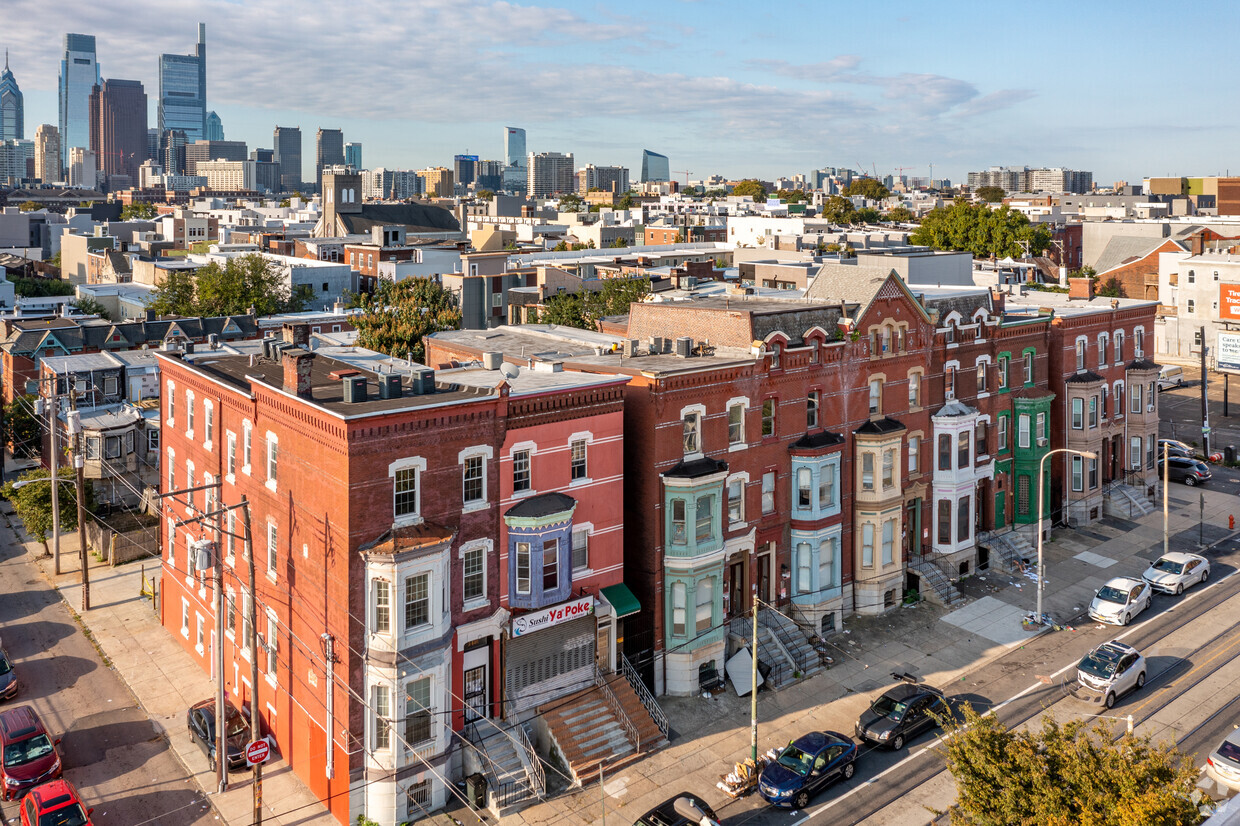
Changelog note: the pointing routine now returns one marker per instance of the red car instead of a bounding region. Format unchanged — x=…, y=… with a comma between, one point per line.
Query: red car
x=54, y=804
x=28, y=754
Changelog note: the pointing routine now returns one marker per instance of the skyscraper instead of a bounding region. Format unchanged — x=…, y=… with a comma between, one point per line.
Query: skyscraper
x=215, y=127
x=12, y=106
x=118, y=127
x=83, y=167
x=514, y=159
x=549, y=173
x=464, y=167
x=353, y=155
x=183, y=90
x=655, y=167
x=288, y=156
x=79, y=74
x=202, y=151
x=47, y=154
x=328, y=151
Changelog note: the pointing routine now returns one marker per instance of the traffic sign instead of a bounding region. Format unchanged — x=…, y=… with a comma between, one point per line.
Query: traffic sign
x=257, y=752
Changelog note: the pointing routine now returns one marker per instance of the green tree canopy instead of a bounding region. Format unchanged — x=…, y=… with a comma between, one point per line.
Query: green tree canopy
x=91, y=306
x=870, y=188
x=792, y=196
x=867, y=215
x=29, y=206
x=33, y=502
x=485, y=195
x=626, y=201
x=990, y=194
x=1065, y=774
x=751, y=187
x=584, y=309
x=983, y=231
x=138, y=211
x=571, y=203
x=396, y=317
x=838, y=210
x=231, y=289
x=899, y=215
x=40, y=287
x=22, y=429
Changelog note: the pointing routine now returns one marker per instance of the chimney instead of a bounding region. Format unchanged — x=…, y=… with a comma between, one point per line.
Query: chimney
x=297, y=334
x=1197, y=244
x=297, y=363
x=1081, y=288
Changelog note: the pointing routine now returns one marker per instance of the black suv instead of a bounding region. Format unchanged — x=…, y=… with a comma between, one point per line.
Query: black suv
x=901, y=713
x=682, y=810
x=200, y=719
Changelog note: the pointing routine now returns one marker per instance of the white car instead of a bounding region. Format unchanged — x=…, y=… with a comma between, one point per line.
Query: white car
x=1110, y=670
x=1120, y=600
x=1174, y=572
x=1223, y=763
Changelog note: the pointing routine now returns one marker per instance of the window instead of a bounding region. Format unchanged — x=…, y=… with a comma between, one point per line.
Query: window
x=112, y=447
x=736, y=500
x=230, y=613
x=805, y=488
x=692, y=432
x=1134, y=453
x=520, y=471
x=473, y=573
x=945, y=451
x=551, y=564
x=273, y=455
x=776, y=354
x=1078, y=414
x=1102, y=350
x=405, y=492
x=1022, y=495
x=981, y=377
x=678, y=609
x=1093, y=411
x=1118, y=403
x=152, y=441
x=208, y=421
x=1192, y=277
x=172, y=402
x=981, y=449
x=581, y=549
x=949, y=382
x=811, y=409
x=1192, y=308
x=1004, y=365
x=191, y=482
x=577, y=453
x=705, y=603
x=867, y=545
x=246, y=438
x=826, y=486
x=1080, y=354
x=1028, y=368
x=1134, y=398
x=945, y=521
x=273, y=644
x=1078, y=482
x=230, y=540
x=1041, y=430
x=418, y=601
x=679, y=533
x=768, y=417
x=768, y=492
x=382, y=715
x=1150, y=396
x=189, y=413
x=1119, y=346
x=472, y=484
x=1003, y=433
x=867, y=471
x=272, y=548
x=826, y=562
x=184, y=617
x=92, y=447
x=914, y=389
x=523, y=567
x=1149, y=451
x=876, y=396
x=914, y=447
x=1093, y=473
x=172, y=470
x=889, y=541
x=736, y=423
x=247, y=630
x=804, y=568
x=418, y=712
x=889, y=468
x=1102, y=401
x=703, y=529
x=231, y=451
x=963, y=438
x=1138, y=343
x=383, y=606
x=963, y=525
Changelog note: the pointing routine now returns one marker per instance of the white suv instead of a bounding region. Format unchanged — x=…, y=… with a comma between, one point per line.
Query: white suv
x=1120, y=600
x=1110, y=670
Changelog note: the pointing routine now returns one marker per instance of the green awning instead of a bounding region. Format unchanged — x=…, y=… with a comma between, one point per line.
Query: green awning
x=622, y=599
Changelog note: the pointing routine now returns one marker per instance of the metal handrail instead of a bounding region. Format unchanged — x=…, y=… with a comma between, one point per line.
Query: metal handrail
x=630, y=730
x=534, y=768
x=643, y=694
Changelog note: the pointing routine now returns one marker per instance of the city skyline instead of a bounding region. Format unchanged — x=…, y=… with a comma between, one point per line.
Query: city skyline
x=719, y=88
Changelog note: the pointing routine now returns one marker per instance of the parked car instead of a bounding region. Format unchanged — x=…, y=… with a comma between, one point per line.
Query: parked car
x=1176, y=448
x=200, y=719
x=1223, y=764
x=55, y=804
x=806, y=766
x=8, y=677
x=1120, y=600
x=901, y=713
x=1189, y=471
x=1110, y=671
x=1170, y=376
x=683, y=809
x=1174, y=572
x=29, y=755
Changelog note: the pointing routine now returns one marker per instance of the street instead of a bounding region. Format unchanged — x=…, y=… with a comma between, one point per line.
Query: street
x=112, y=752
x=1180, y=411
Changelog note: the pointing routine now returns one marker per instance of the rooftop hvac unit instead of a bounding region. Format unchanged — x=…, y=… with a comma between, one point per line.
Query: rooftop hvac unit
x=354, y=389
x=492, y=361
x=389, y=386
x=684, y=346
x=423, y=381
x=656, y=344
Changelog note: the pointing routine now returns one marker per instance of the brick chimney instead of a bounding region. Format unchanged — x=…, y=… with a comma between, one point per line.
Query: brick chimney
x=1197, y=244
x=998, y=299
x=297, y=334
x=297, y=363
x=1081, y=288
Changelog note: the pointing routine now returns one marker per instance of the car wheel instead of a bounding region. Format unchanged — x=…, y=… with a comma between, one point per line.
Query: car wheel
x=1110, y=699
x=1125, y=620
x=1205, y=574
x=897, y=742
x=211, y=763
x=1141, y=680
x=849, y=770
x=1179, y=589
x=802, y=800
x=1191, y=481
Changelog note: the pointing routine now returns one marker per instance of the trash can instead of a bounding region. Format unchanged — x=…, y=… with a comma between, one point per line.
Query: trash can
x=1229, y=454
x=476, y=790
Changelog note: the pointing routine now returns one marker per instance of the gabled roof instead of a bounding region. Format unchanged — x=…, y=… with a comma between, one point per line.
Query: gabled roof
x=848, y=283
x=1125, y=249
x=414, y=217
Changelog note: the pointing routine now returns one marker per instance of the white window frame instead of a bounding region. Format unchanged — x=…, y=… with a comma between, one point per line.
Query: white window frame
x=484, y=452
x=587, y=438
x=680, y=599
x=698, y=412
x=743, y=480
x=484, y=547
x=170, y=393
x=272, y=463
x=273, y=549
x=185, y=618
x=1078, y=474
x=273, y=647
x=418, y=465
x=867, y=545
x=743, y=403
x=189, y=415
x=208, y=423
x=768, y=495
x=586, y=530
x=430, y=602
x=247, y=446
x=914, y=453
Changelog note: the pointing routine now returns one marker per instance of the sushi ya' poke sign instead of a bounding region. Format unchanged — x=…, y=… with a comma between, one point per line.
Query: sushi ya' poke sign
x=556, y=614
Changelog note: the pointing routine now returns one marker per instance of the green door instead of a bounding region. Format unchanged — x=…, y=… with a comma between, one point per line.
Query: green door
x=1000, y=519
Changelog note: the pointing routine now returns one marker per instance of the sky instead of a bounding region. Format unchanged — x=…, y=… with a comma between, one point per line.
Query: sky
x=756, y=88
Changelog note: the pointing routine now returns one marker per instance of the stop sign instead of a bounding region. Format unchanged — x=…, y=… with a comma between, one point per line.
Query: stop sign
x=257, y=752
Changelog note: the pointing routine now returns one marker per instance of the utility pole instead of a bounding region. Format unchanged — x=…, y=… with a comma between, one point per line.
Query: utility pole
x=1166, y=477
x=329, y=652
x=79, y=463
x=753, y=689
x=221, y=742
x=1205, y=397
x=53, y=408
x=251, y=613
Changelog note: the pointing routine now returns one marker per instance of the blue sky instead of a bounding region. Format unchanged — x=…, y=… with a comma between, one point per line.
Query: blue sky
x=1125, y=89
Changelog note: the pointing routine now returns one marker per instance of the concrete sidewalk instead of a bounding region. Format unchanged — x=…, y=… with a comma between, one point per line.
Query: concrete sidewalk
x=164, y=679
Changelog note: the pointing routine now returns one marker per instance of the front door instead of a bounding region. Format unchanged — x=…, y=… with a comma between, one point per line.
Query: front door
x=1000, y=520
x=475, y=693
x=736, y=589
x=911, y=546
x=764, y=579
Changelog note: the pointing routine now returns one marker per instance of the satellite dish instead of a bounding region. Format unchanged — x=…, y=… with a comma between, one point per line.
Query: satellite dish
x=510, y=371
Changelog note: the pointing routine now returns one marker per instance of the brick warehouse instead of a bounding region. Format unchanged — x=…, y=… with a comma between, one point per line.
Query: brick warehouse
x=384, y=515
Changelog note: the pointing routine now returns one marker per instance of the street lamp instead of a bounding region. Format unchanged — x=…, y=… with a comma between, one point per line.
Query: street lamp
x=1085, y=454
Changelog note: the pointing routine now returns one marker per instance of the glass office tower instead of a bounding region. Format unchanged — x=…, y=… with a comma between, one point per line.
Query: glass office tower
x=79, y=74
x=183, y=90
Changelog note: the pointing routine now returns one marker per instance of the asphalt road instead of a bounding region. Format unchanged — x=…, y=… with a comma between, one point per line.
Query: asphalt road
x=119, y=761
x=1191, y=646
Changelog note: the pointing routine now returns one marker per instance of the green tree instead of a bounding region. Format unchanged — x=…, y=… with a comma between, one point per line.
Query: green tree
x=91, y=306
x=751, y=187
x=285, y=202
x=791, y=196
x=33, y=502
x=626, y=201
x=23, y=431
x=485, y=195
x=870, y=188
x=175, y=296
x=1065, y=774
x=867, y=215
x=983, y=231
x=40, y=287
x=396, y=317
x=29, y=206
x=560, y=247
x=55, y=260
x=585, y=309
x=716, y=193
x=571, y=203
x=565, y=309
x=899, y=215
x=838, y=210
x=231, y=289
x=990, y=194
x=138, y=211
x=618, y=244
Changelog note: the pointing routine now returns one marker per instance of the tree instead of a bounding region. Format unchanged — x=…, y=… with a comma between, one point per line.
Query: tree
x=791, y=196
x=23, y=431
x=751, y=187
x=585, y=309
x=396, y=317
x=869, y=188
x=716, y=193
x=90, y=306
x=55, y=260
x=29, y=206
x=619, y=243
x=838, y=210
x=1111, y=288
x=232, y=289
x=990, y=194
x=983, y=231
x=33, y=502
x=40, y=287
x=626, y=201
x=565, y=309
x=485, y=195
x=867, y=215
x=899, y=215
x=571, y=203
x=137, y=211
x=1065, y=774
x=175, y=296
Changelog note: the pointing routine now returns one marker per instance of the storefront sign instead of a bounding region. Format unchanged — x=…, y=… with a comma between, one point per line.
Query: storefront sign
x=556, y=614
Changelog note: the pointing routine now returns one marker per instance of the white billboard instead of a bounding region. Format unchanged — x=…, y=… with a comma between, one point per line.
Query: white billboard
x=1227, y=352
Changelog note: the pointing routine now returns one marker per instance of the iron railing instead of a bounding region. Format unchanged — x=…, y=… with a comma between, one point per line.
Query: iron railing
x=630, y=730
x=643, y=694
x=534, y=768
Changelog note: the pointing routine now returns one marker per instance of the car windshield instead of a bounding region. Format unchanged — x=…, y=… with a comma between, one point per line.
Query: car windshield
x=235, y=724
x=1109, y=594
x=5, y=668
x=1169, y=566
x=885, y=706
x=795, y=759
x=25, y=751
x=1230, y=750
x=1100, y=663
x=67, y=816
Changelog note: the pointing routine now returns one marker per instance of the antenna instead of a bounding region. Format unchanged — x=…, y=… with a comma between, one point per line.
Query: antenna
x=509, y=371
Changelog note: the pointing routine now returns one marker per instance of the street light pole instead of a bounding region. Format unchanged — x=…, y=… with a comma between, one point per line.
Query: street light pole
x=1085, y=454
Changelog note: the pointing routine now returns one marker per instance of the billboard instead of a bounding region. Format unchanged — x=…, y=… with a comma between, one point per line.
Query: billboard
x=1227, y=352
x=1229, y=301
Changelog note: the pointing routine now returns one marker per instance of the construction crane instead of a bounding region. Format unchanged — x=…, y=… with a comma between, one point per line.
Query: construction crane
x=682, y=172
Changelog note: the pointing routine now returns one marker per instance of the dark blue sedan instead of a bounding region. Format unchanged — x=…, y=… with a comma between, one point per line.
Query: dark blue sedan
x=805, y=766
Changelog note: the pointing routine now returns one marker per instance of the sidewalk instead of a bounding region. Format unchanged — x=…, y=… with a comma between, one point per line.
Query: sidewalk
x=165, y=680
x=924, y=639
